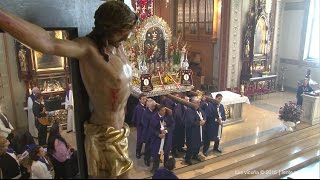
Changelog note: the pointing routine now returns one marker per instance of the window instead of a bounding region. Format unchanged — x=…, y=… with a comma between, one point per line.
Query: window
x=192, y=14
x=311, y=50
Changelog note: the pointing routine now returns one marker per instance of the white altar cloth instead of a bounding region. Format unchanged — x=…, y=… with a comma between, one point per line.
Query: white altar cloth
x=231, y=98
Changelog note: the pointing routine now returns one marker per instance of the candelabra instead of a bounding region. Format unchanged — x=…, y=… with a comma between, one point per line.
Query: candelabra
x=283, y=69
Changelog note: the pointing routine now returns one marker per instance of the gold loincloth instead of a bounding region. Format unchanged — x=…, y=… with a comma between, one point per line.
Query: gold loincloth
x=107, y=150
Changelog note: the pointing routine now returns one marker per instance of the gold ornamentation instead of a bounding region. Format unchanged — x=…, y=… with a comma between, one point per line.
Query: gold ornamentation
x=154, y=22
x=107, y=150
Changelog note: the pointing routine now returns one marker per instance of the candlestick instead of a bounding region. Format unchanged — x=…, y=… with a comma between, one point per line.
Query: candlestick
x=242, y=90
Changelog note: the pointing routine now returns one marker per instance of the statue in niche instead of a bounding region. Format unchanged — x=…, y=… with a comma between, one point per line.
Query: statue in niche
x=155, y=45
x=22, y=59
x=260, y=37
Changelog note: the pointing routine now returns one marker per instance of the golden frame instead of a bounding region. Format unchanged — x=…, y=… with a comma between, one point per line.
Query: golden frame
x=155, y=22
x=45, y=62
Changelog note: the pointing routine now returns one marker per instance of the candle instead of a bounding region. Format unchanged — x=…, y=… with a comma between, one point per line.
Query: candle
x=269, y=68
x=242, y=88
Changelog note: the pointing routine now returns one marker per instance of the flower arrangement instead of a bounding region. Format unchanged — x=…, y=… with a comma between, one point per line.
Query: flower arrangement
x=177, y=49
x=290, y=112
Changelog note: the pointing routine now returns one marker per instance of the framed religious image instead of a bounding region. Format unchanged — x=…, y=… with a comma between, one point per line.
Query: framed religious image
x=52, y=84
x=46, y=62
x=23, y=54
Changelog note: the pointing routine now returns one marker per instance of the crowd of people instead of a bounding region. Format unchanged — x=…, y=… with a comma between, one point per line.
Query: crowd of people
x=54, y=159
x=171, y=128
x=22, y=158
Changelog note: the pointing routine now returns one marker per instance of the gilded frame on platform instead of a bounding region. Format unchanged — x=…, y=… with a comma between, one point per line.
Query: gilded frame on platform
x=155, y=26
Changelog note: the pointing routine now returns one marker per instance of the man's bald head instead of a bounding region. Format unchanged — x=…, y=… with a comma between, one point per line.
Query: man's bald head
x=36, y=90
x=151, y=104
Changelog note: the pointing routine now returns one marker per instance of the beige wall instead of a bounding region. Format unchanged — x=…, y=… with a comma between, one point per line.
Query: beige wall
x=13, y=90
x=292, y=39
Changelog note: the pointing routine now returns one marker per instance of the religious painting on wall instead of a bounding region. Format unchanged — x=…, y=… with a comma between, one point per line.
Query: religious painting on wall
x=52, y=84
x=23, y=55
x=46, y=62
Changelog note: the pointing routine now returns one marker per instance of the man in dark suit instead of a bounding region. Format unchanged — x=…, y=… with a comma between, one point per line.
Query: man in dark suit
x=39, y=111
x=302, y=89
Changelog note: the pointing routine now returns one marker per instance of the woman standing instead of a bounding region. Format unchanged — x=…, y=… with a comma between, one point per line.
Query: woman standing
x=63, y=157
x=40, y=168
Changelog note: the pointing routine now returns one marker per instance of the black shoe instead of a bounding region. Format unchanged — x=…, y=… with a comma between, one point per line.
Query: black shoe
x=197, y=159
x=217, y=150
x=153, y=170
x=182, y=150
x=147, y=162
x=138, y=156
x=175, y=155
x=205, y=154
x=188, y=162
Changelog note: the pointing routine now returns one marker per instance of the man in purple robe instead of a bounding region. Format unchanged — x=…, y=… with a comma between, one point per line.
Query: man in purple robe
x=179, y=130
x=136, y=119
x=194, y=119
x=203, y=103
x=160, y=136
x=166, y=172
x=146, y=118
x=211, y=127
x=167, y=102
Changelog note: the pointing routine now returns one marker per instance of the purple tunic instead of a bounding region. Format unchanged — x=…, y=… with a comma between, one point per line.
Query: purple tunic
x=211, y=127
x=137, y=120
x=155, y=140
x=167, y=102
x=146, y=118
x=179, y=130
x=163, y=173
x=192, y=120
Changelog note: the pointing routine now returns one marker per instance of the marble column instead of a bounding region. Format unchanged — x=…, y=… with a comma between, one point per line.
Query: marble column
x=275, y=61
x=235, y=35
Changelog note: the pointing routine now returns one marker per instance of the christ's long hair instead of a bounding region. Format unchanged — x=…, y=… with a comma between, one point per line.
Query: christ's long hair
x=110, y=18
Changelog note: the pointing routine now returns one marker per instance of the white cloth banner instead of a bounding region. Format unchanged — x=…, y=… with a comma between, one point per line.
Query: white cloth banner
x=201, y=118
x=162, y=140
x=220, y=128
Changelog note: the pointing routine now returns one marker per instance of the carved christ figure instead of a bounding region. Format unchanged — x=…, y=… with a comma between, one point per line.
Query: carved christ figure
x=106, y=74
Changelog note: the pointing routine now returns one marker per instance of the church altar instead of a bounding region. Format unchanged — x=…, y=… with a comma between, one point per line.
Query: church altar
x=233, y=106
